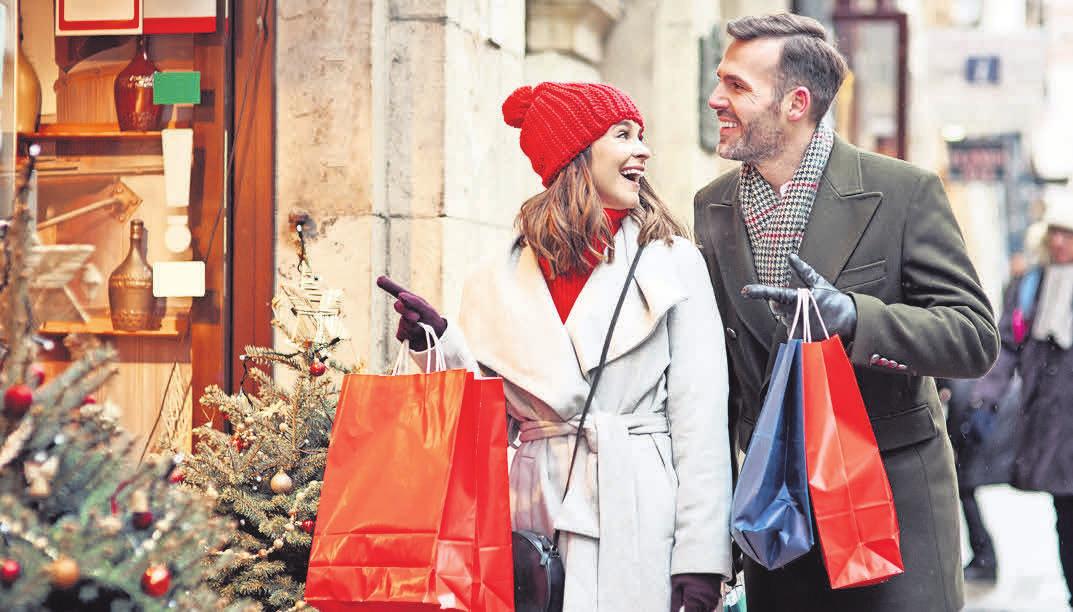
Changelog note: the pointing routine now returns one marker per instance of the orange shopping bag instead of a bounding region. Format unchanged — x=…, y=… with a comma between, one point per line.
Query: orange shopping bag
x=414, y=512
x=852, y=503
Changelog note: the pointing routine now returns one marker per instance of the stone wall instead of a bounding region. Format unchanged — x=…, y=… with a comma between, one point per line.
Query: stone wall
x=390, y=135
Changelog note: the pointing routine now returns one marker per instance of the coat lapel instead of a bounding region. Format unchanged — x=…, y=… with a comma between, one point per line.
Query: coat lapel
x=735, y=256
x=840, y=216
x=656, y=288
x=517, y=334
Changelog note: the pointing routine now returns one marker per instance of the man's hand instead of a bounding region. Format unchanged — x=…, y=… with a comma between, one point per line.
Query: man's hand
x=837, y=309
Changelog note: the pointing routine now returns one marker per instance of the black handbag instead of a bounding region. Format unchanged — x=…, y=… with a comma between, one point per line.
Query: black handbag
x=539, y=575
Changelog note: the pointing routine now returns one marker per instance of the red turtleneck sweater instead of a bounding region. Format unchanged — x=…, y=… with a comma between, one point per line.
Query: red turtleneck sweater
x=566, y=287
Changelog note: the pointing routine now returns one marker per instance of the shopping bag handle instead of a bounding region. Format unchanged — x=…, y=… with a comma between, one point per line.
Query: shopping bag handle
x=432, y=341
x=596, y=376
x=804, y=297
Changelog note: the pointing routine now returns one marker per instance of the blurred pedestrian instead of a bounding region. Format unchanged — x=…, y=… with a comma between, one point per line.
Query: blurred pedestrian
x=1037, y=343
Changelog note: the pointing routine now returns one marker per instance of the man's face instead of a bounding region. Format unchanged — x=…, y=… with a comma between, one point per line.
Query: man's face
x=1060, y=245
x=751, y=119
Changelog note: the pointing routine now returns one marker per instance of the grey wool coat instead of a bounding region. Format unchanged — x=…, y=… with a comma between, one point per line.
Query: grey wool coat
x=650, y=495
x=882, y=231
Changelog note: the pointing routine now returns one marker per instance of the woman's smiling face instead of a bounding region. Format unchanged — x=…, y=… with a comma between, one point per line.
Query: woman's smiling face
x=618, y=164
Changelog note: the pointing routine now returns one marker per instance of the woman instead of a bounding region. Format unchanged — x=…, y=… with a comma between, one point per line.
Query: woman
x=648, y=505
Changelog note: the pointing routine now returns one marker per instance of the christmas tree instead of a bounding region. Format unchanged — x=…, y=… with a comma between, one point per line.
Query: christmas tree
x=83, y=526
x=267, y=471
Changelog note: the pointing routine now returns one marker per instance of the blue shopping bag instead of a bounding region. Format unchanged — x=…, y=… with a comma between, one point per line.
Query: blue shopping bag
x=770, y=518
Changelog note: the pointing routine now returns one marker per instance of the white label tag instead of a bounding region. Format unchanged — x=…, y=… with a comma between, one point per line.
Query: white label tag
x=179, y=279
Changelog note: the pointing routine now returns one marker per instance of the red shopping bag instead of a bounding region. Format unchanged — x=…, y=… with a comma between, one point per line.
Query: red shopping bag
x=414, y=512
x=852, y=503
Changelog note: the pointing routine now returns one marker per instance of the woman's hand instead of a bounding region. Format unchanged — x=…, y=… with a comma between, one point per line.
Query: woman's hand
x=695, y=592
x=413, y=310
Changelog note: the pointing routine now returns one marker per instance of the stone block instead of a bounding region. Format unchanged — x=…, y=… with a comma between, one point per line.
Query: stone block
x=575, y=27
x=486, y=176
x=414, y=144
x=325, y=106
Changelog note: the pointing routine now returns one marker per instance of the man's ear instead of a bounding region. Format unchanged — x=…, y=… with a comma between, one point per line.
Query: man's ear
x=800, y=104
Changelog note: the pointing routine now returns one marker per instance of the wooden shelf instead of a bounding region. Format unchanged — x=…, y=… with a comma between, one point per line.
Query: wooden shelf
x=88, y=131
x=173, y=326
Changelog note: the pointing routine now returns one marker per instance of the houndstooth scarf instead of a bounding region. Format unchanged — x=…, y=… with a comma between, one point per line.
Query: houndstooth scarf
x=776, y=226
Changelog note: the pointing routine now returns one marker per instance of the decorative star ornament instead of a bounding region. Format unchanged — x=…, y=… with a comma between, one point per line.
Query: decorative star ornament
x=315, y=310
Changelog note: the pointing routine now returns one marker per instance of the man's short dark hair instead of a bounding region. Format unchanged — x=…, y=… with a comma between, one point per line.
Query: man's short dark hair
x=807, y=59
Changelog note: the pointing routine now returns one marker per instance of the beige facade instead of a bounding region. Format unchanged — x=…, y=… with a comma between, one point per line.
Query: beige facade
x=390, y=134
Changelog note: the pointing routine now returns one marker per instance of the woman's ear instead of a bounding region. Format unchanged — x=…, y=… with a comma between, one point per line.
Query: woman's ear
x=800, y=104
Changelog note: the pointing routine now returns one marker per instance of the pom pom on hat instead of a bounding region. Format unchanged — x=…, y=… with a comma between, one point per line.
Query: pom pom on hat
x=560, y=120
x=517, y=105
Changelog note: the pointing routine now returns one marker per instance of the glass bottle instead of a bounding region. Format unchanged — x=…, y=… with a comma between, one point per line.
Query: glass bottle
x=134, y=92
x=130, y=288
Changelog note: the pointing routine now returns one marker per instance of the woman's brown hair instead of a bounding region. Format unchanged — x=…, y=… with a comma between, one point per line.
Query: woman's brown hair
x=561, y=222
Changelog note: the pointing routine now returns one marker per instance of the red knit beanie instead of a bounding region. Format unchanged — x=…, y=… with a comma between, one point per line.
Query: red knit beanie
x=560, y=120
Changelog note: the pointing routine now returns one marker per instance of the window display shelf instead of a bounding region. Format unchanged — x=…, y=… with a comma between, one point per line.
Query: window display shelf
x=88, y=131
x=173, y=326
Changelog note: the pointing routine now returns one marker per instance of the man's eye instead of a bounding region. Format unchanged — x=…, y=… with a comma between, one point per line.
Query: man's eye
x=623, y=134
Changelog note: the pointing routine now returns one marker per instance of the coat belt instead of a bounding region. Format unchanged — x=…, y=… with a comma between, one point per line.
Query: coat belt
x=609, y=510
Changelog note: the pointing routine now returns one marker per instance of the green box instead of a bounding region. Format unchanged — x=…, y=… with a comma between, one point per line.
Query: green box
x=177, y=87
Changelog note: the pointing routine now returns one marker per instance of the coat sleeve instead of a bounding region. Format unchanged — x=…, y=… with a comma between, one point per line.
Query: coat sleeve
x=943, y=326
x=990, y=389
x=697, y=382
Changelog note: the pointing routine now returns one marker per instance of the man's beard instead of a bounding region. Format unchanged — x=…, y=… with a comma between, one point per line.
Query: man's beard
x=761, y=140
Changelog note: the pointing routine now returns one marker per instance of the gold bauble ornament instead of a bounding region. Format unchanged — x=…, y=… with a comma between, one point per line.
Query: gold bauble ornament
x=281, y=483
x=64, y=573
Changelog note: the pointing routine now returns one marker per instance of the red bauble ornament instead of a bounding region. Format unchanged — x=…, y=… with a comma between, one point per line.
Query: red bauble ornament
x=240, y=443
x=37, y=374
x=142, y=520
x=177, y=476
x=10, y=570
x=17, y=400
x=317, y=368
x=89, y=399
x=156, y=580
x=307, y=525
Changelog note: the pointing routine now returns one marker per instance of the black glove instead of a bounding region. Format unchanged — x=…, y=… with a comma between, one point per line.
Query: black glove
x=697, y=592
x=837, y=309
x=414, y=309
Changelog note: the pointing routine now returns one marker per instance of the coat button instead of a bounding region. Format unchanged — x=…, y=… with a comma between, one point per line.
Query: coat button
x=733, y=335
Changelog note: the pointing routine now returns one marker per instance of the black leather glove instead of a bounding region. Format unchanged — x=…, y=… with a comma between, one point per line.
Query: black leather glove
x=837, y=309
x=697, y=592
x=413, y=310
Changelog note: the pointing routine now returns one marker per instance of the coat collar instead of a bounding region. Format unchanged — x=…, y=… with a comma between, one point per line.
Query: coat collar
x=839, y=217
x=654, y=291
x=551, y=360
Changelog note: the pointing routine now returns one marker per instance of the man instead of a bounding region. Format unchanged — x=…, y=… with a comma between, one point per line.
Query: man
x=878, y=244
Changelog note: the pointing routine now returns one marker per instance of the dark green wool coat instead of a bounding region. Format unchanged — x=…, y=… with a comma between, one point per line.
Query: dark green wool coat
x=881, y=230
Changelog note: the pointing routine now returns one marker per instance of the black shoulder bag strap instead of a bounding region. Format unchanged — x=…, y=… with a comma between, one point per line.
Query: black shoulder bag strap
x=596, y=376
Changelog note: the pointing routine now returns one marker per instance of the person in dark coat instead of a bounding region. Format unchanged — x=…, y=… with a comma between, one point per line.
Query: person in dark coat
x=1037, y=342
x=984, y=444
x=876, y=241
